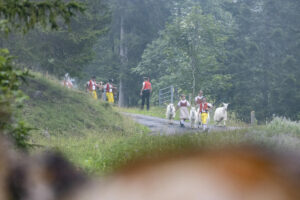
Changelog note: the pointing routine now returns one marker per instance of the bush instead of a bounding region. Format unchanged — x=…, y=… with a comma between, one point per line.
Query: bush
x=284, y=125
x=11, y=98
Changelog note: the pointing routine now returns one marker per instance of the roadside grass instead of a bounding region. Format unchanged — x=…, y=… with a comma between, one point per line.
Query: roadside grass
x=155, y=111
x=102, y=154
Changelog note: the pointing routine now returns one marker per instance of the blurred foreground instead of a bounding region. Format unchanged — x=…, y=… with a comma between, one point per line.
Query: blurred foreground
x=227, y=173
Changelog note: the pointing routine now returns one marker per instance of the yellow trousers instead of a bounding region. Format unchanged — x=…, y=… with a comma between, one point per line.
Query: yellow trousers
x=110, y=97
x=94, y=94
x=204, y=118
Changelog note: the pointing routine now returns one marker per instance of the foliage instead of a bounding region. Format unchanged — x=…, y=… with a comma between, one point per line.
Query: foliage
x=262, y=58
x=189, y=53
x=242, y=52
x=68, y=49
x=282, y=125
x=11, y=98
x=23, y=15
x=251, y=62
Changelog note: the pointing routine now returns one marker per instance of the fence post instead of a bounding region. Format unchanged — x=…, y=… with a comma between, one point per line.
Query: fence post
x=172, y=93
x=253, y=121
x=159, y=98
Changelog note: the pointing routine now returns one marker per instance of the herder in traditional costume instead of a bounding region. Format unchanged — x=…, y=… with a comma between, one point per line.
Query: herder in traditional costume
x=203, y=112
x=109, y=92
x=198, y=99
x=183, y=105
x=92, y=87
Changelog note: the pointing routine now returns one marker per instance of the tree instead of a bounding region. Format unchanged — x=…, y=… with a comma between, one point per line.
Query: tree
x=23, y=15
x=262, y=58
x=189, y=51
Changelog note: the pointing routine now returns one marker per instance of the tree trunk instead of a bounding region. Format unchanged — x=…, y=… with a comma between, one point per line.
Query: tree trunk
x=123, y=63
x=194, y=79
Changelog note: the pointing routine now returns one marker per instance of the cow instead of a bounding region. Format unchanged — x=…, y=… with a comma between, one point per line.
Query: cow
x=170, y=113
x=193, y=117
x=221, y=114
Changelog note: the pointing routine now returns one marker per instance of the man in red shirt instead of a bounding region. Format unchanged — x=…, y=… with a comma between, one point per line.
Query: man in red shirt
x=145, y=92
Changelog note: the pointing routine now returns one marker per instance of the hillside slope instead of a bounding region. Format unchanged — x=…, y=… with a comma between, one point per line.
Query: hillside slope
x=53, y=109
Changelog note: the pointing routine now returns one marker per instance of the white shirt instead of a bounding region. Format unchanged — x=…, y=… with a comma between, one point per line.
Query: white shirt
x=198, y=97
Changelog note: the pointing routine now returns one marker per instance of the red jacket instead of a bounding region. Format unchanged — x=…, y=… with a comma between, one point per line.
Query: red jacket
x=147, y=85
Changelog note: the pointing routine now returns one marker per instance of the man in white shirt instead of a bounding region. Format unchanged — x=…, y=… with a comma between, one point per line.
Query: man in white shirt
x=198, y=99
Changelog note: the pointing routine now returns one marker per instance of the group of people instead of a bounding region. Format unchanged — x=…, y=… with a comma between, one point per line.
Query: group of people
x=201, y=105
x=108, y=94
x=200, y=101
x=107, y=89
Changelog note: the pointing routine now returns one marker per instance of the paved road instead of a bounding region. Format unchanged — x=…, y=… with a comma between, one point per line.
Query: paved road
x=162, y=126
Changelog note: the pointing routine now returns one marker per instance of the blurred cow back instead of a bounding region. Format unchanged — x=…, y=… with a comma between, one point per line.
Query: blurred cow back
x=232, y=173
x=238, y=173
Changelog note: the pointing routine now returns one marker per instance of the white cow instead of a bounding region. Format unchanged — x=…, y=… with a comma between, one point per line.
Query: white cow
x=221, y=114
x=171, y=113
x=193, y=117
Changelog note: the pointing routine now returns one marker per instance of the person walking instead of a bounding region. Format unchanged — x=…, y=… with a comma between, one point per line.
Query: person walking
x=109, y=91
x=92, y=87
x=183, y=105
x=198, y=99
x=203, y=110
x=145, y=93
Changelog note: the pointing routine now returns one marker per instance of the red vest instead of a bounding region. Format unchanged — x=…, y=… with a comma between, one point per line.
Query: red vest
x=147, y=85
x=203, y=107
x=91, y=84
x=183, y=104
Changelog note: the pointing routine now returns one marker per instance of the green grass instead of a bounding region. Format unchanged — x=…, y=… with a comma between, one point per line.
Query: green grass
x=154, y=111
x=58, y=110
x=102, y=154
x=96, y=138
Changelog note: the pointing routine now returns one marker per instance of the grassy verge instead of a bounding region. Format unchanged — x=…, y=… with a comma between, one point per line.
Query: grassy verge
x=154, y=111
x=102, y=154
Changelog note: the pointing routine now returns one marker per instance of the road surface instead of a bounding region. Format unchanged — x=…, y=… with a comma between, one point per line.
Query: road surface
x=162, y=126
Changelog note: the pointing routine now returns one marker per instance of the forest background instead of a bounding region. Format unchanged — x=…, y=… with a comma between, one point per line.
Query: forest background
x=245, y=52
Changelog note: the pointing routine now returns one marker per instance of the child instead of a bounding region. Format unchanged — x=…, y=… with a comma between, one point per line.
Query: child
x=203, y=110
x=183, y=105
